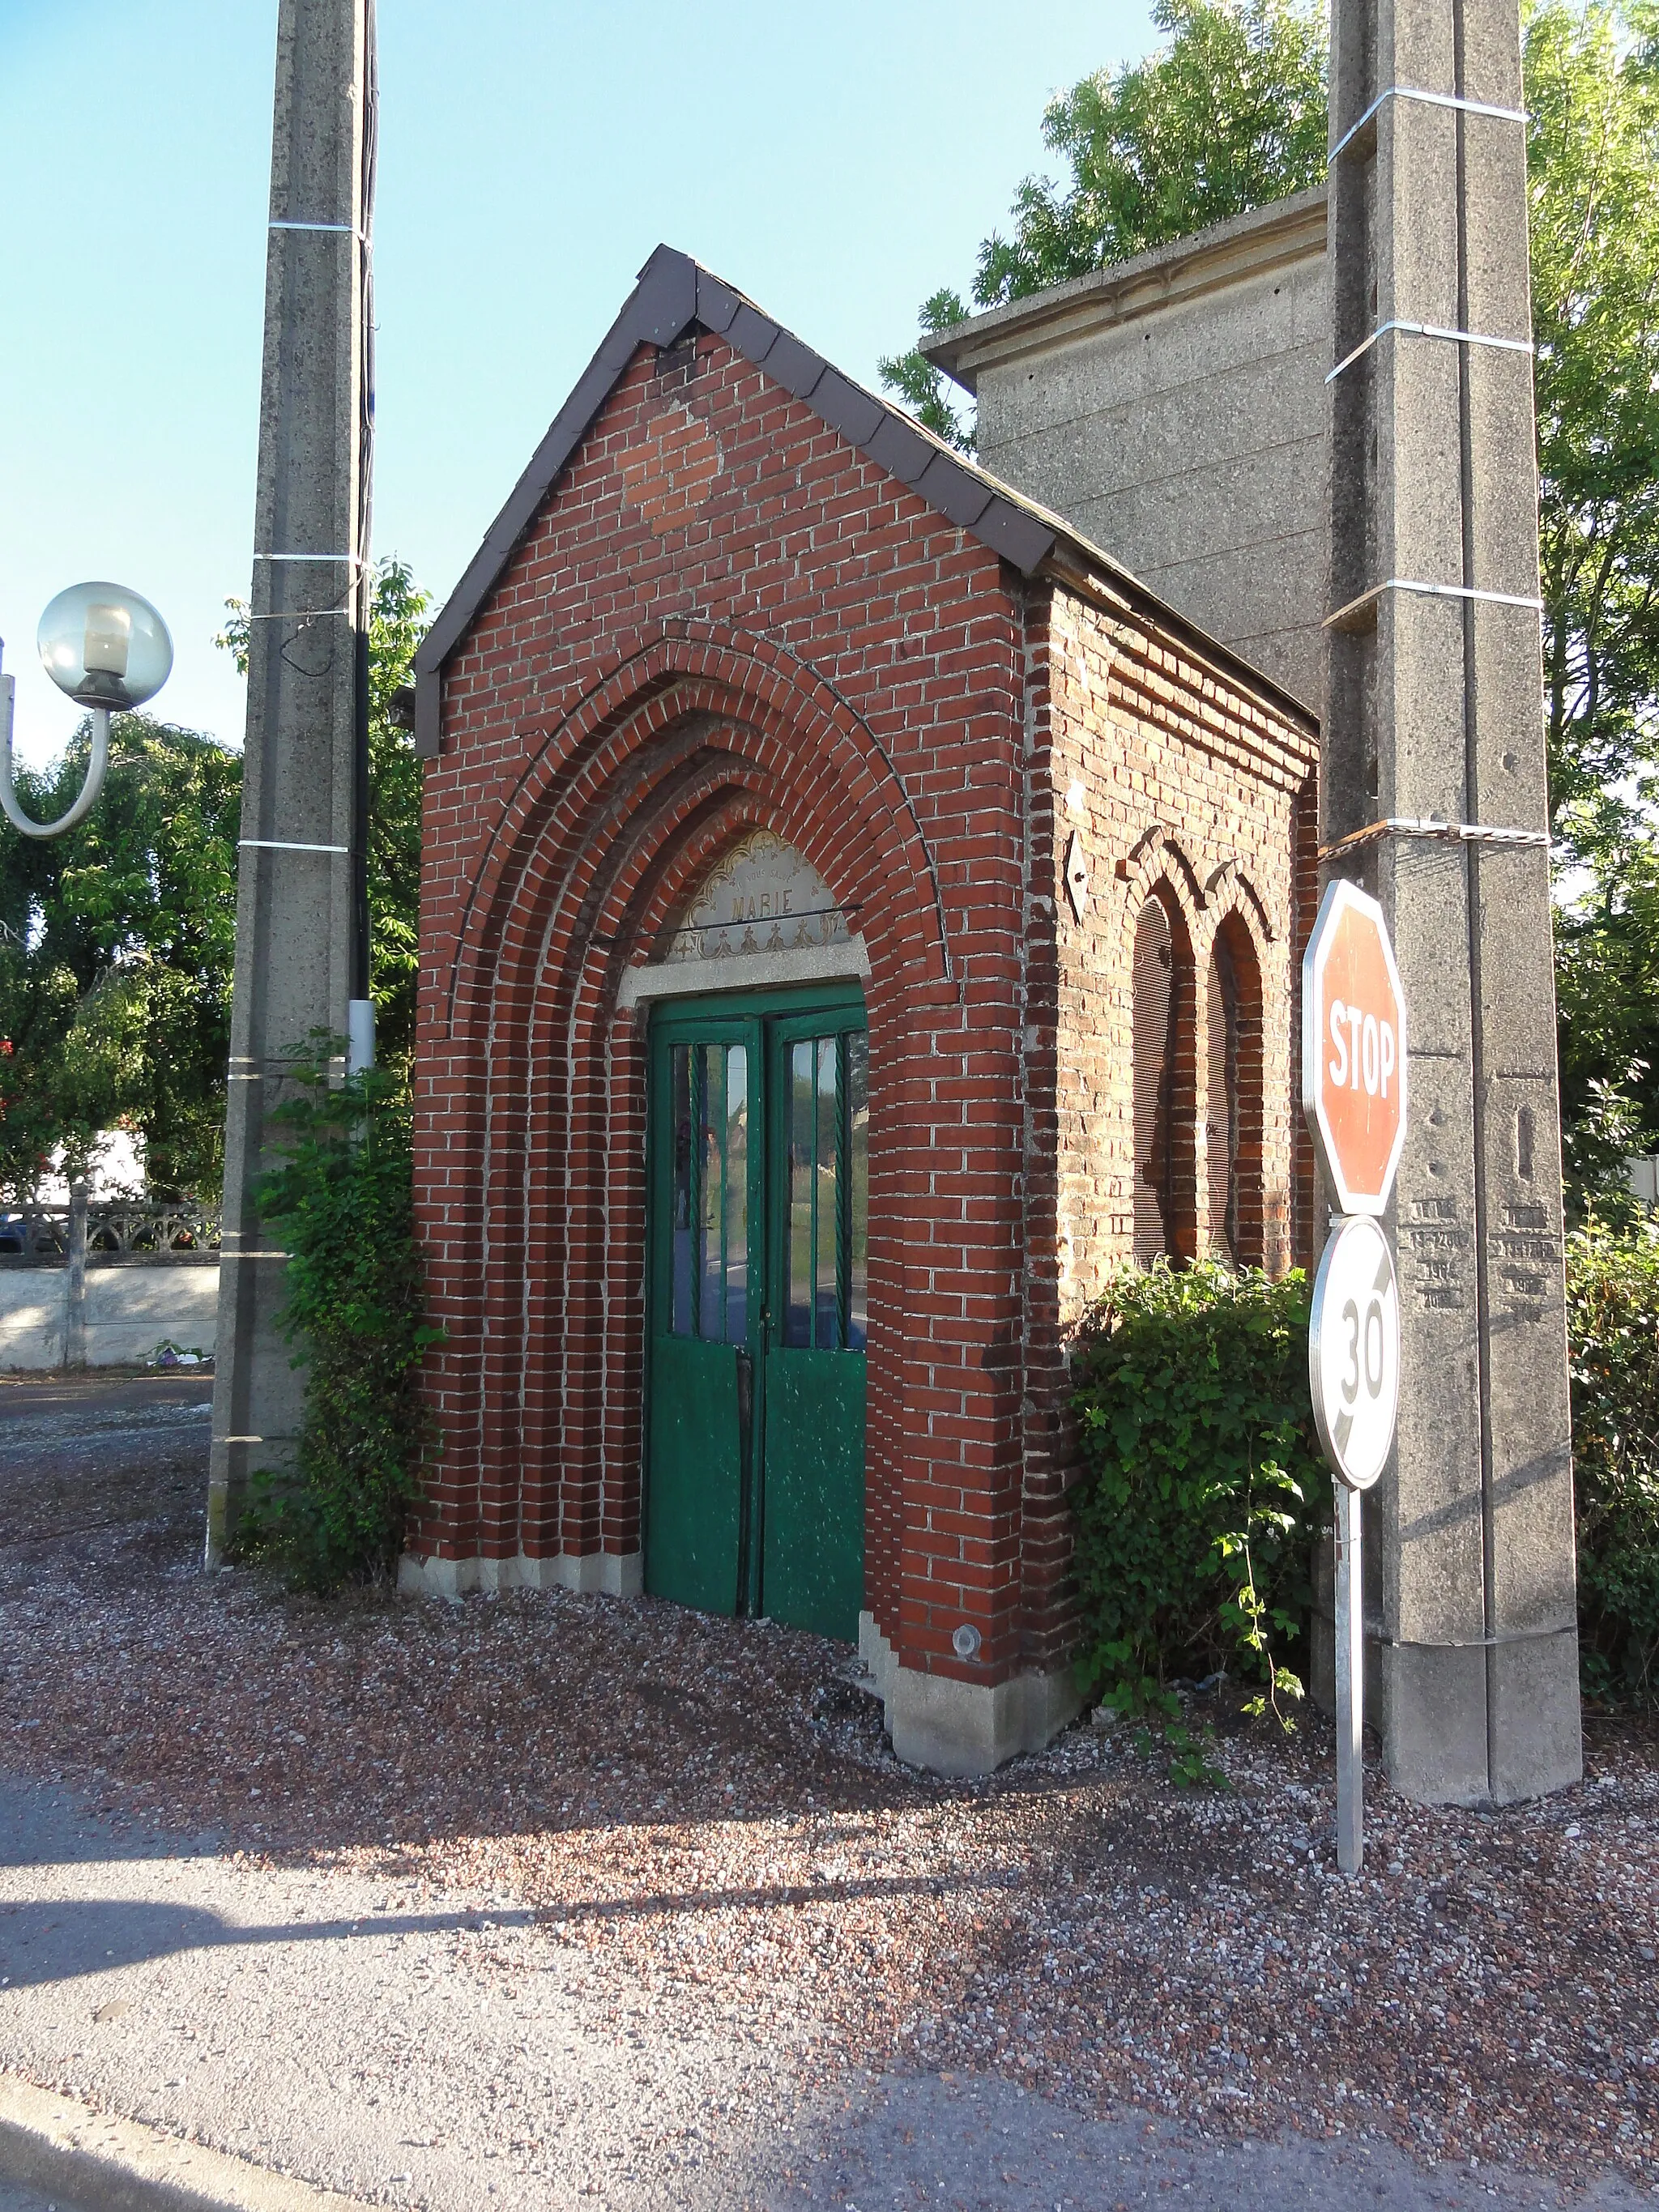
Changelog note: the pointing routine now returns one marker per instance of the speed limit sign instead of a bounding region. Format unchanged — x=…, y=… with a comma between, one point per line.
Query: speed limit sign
x=1353, y=1351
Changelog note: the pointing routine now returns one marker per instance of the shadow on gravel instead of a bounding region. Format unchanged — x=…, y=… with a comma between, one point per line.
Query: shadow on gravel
x=42, y=1944
x=707, y=1811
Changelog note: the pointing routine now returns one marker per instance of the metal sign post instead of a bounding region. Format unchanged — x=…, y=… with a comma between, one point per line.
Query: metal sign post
x=1350, y=1682
x=1354, y=1372
x=1354, y=1085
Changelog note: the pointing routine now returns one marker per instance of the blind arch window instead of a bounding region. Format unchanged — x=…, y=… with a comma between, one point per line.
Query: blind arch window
x=1163, y=1054
x=1233, y=1097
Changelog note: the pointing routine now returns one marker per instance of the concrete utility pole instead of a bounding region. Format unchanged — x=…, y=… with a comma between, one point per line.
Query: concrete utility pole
x=302, y=929
x=1434, y=796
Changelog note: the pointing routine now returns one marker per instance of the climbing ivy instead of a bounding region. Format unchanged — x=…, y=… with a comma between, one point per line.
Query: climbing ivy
x=1203, y=1484
x=343, y=1204
x=1612, y=1327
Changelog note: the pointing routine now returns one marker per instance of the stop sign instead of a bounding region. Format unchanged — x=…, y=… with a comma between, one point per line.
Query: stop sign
x=1354, y=1047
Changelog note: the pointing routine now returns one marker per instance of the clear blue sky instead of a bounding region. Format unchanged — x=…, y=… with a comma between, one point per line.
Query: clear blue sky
x=837, y=162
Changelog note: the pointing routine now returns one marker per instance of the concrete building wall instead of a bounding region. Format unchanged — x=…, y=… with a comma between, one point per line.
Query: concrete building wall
x=1173, y=409
x=130, y=1310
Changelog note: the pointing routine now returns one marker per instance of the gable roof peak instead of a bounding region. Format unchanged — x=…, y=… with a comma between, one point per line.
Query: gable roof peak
x=675, y=294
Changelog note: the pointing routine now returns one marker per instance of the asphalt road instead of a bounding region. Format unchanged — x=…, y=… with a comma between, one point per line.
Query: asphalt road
x=25, y=2200
x=96, y=1396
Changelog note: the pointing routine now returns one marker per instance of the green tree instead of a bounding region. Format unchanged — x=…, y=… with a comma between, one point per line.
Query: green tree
x=1227, y=116
x=1592, y=95
x=116, y=943
x=1230, y=113
x=397, y=625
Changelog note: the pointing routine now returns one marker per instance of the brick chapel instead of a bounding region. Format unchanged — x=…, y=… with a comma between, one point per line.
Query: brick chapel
x=856, y=915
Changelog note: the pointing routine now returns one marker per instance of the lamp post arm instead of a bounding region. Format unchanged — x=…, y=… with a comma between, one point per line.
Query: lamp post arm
x=95, y=771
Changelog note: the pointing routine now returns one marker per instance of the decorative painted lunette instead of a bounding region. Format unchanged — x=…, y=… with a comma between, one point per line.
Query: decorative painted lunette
x=759, y=896
x=761, y=916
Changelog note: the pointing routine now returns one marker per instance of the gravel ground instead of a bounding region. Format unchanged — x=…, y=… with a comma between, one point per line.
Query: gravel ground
x=692, y=1832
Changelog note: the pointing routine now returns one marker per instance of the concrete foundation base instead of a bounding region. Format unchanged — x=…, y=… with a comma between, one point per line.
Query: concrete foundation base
x=613, y=1574
x=1462, y=1724
x=1481, y=1726
x=962, y=1728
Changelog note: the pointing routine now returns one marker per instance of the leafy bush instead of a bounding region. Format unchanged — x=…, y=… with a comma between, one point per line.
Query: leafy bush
x=1203, y=1484
x=343, y=1206
x=1612, y=1324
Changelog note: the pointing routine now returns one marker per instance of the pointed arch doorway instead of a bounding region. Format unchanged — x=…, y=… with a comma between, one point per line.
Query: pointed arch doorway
x=757, y=1270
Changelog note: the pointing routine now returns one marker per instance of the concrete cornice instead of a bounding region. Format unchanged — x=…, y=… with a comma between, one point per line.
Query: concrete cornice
x=1274, y=237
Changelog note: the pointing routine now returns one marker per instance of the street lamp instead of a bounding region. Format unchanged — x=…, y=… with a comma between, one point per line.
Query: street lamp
x=109, y=650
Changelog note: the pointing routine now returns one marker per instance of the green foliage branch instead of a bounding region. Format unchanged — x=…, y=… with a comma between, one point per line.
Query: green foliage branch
x=1228, y=114
x=1612, y=1325
x=1592, y=93
x=1592, y=87
x=343, y=1204
x=115, y=947
x=1203, y=1484
x=1204, y=1488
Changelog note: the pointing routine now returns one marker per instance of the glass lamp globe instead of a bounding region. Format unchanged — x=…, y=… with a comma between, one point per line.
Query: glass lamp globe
x=105, y=646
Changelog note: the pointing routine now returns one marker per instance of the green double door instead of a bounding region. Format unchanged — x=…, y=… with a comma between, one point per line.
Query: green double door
x=759, y=1297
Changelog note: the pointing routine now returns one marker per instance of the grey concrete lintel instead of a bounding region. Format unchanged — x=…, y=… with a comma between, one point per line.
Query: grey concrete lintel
x=744, y=971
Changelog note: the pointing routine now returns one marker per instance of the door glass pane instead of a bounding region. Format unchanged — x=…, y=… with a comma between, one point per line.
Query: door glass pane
x=711, y=1210
x=825, y=1334
x=737, y=1194
x=858, y=1188
x=679, y=1086
x=803, y=1118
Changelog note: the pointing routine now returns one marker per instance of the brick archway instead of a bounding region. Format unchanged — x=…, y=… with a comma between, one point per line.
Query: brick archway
x=596, y=757
x=623, y=805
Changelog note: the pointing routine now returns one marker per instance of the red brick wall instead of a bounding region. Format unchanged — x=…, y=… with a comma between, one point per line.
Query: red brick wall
x=1183, y=787
x=724, y=617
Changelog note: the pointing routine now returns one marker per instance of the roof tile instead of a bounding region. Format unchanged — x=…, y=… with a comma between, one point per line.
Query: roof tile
x=961, y=495
x=794, y=365
x=717, y=303
x=900, y=448
x=847, y=407
x=752, y=334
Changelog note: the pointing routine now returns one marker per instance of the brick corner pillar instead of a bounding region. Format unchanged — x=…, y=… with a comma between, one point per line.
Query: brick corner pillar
x=1434, y=715
x=301, y=941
